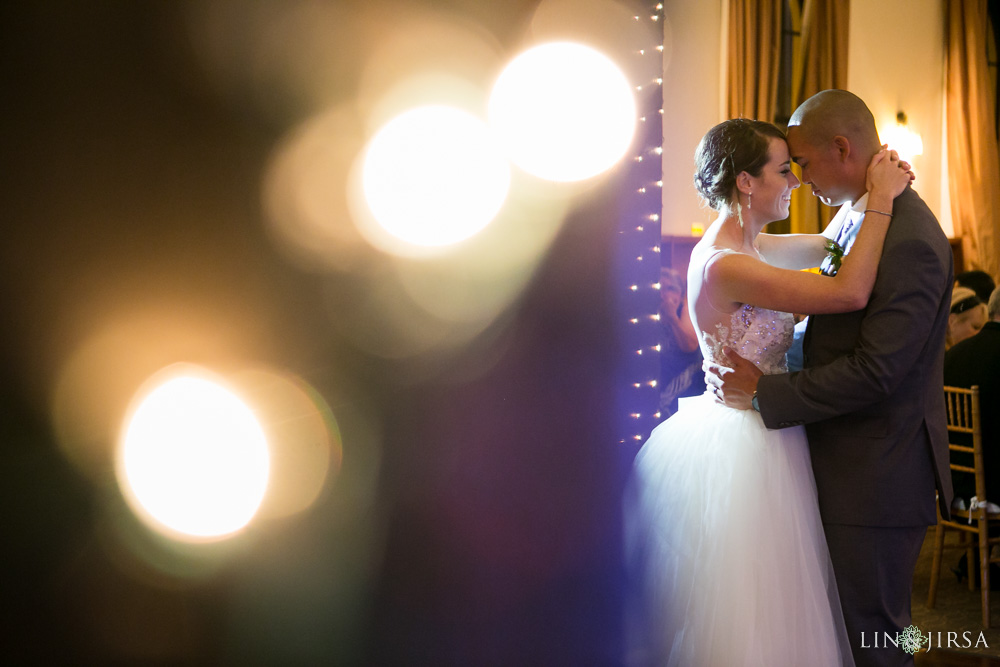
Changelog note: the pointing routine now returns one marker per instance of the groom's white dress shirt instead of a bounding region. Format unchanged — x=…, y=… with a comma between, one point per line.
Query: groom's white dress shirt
x=844, y=230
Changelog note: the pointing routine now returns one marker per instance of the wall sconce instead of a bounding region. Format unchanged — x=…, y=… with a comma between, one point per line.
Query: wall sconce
x=906, y=142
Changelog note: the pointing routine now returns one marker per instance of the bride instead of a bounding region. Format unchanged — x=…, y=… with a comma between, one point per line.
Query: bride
x=723, y=528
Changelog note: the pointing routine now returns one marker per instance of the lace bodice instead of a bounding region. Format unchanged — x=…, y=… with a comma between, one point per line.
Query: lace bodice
x=757, y=334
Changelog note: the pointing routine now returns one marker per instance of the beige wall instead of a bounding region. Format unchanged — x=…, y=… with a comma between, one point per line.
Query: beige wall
x=692, y=66
x=895, y=63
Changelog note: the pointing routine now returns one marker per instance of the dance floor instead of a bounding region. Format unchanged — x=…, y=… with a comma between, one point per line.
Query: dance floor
x=957, y=610
x=953, y=659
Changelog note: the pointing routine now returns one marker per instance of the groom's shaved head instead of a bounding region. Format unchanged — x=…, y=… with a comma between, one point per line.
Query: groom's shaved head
x=837, y=112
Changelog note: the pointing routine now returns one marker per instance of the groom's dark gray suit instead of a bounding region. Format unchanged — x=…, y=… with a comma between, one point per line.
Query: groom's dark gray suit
x=871, y=398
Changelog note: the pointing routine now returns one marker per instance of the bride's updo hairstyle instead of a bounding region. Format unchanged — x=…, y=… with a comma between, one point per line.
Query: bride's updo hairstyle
x=729, y=148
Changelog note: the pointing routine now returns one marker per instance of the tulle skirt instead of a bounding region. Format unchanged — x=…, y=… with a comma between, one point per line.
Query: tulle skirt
x=726, y=548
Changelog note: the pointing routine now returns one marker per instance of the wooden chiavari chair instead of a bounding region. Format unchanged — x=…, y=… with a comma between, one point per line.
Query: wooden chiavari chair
x=964, y=426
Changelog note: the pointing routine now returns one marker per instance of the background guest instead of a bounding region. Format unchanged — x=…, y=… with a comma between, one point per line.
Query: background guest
x=680, y=356
x=979, y=282
x=976, y=361
x=967, y=317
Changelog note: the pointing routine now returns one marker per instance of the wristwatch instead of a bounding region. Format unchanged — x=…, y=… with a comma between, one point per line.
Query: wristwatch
x=753, y=401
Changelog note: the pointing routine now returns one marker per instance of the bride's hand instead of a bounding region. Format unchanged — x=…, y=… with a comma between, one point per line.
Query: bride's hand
x=888, y=174
x=908, y=168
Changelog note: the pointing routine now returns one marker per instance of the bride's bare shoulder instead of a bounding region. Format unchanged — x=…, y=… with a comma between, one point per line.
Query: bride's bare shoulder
x=708, y=251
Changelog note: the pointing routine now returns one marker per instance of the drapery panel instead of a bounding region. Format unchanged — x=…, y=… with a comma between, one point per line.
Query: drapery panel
x=753, y=61
x=825, y=25
x=754, y=49
x=973, y=163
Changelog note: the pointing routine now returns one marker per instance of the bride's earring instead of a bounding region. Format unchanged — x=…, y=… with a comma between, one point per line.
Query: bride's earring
x=749, y=201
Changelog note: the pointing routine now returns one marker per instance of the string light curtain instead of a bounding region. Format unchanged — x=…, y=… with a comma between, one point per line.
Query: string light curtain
x=825, y=25
x=754, y=49
x=973, y=170
x=639, y=251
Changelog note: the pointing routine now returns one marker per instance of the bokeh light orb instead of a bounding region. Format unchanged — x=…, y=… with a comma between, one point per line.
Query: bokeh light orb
x=193, y=460
x=303, y=438
x=434, y=176
x=563, y=111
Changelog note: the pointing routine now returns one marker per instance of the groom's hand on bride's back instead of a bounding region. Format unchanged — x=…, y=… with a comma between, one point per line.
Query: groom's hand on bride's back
x=735, y=384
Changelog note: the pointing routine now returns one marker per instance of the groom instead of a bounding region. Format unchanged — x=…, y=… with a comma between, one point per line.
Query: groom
x=871, y=390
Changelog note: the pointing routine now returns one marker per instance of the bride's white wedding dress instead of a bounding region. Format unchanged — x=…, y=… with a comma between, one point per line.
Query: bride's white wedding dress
x=724, y=533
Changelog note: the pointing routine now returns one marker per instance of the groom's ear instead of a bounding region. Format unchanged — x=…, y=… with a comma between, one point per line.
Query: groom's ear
x=843, y=147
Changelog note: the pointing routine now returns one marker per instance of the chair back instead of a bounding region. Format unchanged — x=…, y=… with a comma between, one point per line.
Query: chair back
x=965, y=435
